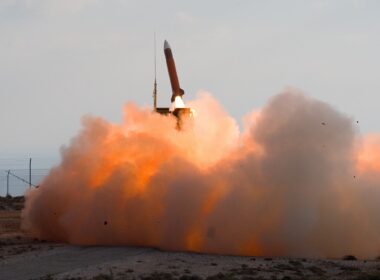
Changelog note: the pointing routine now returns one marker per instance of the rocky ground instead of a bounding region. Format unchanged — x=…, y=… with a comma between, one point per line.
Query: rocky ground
x=22, y=257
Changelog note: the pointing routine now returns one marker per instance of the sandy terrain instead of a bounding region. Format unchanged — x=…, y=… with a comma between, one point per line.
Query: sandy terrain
x=22, y=257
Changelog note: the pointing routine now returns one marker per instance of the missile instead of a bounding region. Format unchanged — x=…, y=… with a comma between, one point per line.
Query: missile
x=176, y=90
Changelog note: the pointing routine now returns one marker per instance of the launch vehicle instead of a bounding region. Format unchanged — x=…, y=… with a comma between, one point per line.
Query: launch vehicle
x=178, y=109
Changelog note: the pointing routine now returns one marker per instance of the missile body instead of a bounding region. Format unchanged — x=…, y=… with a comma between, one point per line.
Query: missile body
x=176, y=90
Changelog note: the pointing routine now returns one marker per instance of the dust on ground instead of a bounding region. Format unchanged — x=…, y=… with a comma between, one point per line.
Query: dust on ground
x=23, y=257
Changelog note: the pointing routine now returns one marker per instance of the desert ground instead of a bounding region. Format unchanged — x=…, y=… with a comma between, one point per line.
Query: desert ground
x=23, y=257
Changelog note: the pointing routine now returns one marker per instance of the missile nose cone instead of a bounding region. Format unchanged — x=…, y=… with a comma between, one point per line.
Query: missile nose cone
x=166, y=45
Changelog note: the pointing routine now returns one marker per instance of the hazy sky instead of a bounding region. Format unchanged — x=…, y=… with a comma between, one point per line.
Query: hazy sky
x=62, y=59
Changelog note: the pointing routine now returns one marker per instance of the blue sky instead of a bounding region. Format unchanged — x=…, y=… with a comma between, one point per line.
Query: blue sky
x=62, y=59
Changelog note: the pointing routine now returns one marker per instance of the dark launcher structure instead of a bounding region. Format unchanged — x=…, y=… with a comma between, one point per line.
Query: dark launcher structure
x=179, y=110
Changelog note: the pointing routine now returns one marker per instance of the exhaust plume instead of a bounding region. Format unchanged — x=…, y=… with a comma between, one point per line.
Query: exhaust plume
x=297, y=181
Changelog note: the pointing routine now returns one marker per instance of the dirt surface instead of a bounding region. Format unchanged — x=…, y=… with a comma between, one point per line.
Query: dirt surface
x=22, y=257
x=11, y=203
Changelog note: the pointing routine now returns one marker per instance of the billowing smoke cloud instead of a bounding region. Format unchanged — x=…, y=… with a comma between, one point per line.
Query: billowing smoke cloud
x=298, y=181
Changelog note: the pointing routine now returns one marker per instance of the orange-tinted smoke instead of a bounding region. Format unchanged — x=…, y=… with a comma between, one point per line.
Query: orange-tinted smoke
x=294, y=182
x=369, y=154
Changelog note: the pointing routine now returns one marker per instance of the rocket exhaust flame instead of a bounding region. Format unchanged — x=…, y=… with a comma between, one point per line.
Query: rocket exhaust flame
x=283, y=186
x=178, y=103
